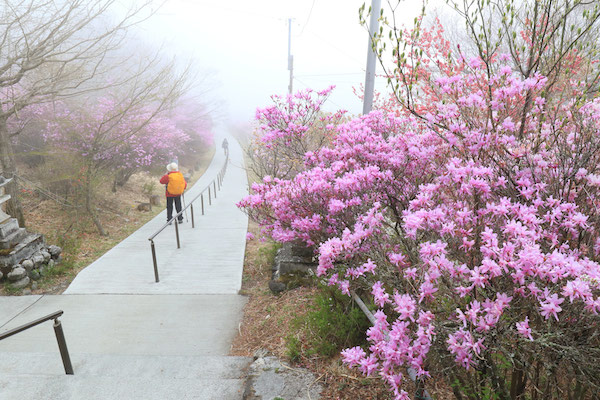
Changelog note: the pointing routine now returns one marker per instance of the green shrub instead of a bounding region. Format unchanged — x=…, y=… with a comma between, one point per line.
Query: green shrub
x=333, y=322
x=294, y=349
x=266, y=254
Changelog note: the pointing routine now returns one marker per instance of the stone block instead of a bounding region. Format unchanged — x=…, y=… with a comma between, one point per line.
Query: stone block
x=21, y=283
x=30, y=245
x=12, y=239
x=8, y=227
x=287, y=262
x=46, y=255
x=54, y=251
x=276, y=286
x=287, y=267
x=16, y=274
x=27, y=264
x=37, y=259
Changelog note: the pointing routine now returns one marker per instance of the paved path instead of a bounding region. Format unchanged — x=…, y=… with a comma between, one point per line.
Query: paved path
x=114, y=310
x=211, y=255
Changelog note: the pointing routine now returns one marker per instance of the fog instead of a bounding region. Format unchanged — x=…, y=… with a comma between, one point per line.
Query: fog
x=241, y=48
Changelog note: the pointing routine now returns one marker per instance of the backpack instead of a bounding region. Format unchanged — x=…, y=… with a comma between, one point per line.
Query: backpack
x=176, y=183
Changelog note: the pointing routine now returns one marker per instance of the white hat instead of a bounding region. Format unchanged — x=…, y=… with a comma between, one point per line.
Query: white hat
x=172, y=167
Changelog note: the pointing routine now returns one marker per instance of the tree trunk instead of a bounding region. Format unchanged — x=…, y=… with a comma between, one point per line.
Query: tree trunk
x=9, y=168
x=121, y=178
x=89, y=206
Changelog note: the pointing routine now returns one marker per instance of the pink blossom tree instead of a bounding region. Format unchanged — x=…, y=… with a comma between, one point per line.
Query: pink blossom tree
x=55, y=49
x=194, y=119
x=113, y=138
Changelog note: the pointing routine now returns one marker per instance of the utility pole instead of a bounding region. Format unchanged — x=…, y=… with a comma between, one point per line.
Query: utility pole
x=290, y=56
x=371, y=57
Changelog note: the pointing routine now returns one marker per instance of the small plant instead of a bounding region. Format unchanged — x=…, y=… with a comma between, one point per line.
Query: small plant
x=266, y=254
x=333, y=323
x=10, y=290
x=148, y=188
x=294, y=348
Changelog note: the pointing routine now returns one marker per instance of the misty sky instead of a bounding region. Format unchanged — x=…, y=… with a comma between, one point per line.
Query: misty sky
x=243, y=45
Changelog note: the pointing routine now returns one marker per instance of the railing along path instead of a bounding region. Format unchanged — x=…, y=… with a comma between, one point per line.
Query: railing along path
x=216, y=183
x=58, y=331
x=421, y=392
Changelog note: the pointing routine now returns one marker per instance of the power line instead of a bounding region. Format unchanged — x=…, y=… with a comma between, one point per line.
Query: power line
x=333, y=74
x=323, y=40
x=308, y=18
x=328, y=99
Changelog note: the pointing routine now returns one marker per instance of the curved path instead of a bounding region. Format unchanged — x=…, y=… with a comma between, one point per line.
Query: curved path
x=132, y=338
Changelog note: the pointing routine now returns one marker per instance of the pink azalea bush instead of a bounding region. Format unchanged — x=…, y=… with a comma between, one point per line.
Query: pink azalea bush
x=345, y=180
x=474, y=231
x=287, y=130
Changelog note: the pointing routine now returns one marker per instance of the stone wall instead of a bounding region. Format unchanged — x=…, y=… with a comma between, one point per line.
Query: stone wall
x=30, y=269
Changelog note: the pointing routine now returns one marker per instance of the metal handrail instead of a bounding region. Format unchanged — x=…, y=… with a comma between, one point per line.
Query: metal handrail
x=421, y=392
x=218, y=179
x=58, y=331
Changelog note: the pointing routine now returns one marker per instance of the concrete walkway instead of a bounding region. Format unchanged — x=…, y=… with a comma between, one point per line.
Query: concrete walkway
x=132, y=338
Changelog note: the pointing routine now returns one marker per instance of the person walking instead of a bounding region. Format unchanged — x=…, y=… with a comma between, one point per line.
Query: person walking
x=225, y=146
x=175, y=185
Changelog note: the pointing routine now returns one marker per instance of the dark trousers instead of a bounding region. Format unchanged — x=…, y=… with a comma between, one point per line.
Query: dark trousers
x=170, y=201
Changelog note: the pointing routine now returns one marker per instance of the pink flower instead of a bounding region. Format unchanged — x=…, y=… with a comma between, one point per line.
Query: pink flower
x=379, y=294
x=524, y=329
x=551, y=306
x=353, y=356
x=369, y=266
x=405, y=306
x=368, y=365
x=426, y=290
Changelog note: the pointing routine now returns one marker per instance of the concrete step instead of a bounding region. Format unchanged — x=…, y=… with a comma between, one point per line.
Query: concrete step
x=41, y=376
x=118, y=388
x=141, y=366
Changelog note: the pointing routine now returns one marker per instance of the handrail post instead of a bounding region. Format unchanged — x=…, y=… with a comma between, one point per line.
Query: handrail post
x=202, y=202
x=219, y=179
x=215, y=187
x=177, y=233
x=209, y=201
x=154, y=260
x=192, y=211
x=62, y=347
